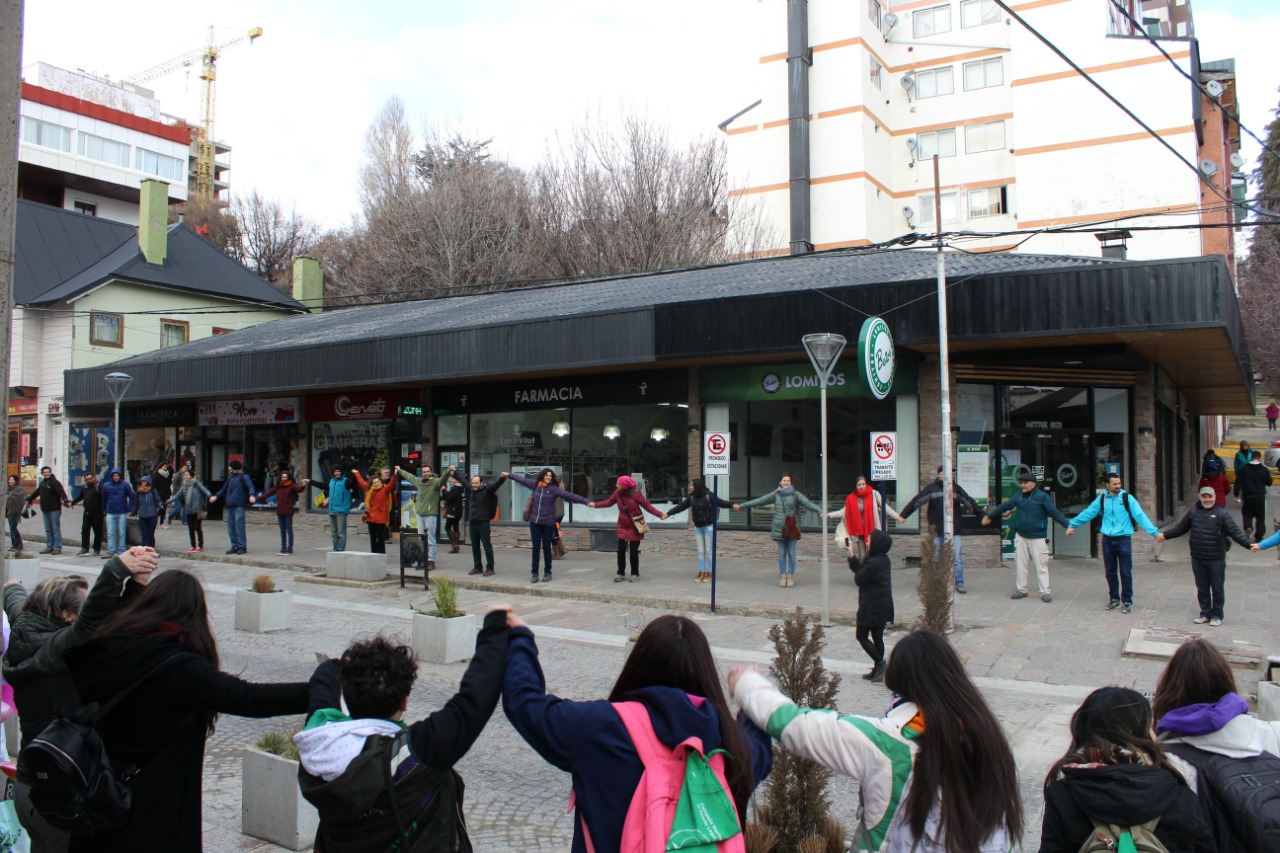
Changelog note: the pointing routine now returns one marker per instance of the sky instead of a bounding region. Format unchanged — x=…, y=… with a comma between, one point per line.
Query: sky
x=296, y=104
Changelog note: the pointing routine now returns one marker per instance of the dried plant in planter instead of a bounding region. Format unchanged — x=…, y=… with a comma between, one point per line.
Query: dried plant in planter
x=278, y=743
x=264, y=583
x=760, y=837
x=937, y=579
x=444, y=595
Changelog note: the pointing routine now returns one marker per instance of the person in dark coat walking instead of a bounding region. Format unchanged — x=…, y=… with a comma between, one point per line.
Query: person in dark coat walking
x=94, y=521
x=162, y=725
x=14, y=502
x=162, y=483
x=481, y=508
x=1116, y=773
x=630, y=503
x=52, y=497
x=1252, y=482
x=875, y=600
x=1210, y=526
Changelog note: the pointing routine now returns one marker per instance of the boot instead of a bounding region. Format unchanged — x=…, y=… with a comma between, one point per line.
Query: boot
x=453, y=541
x=877, y=672
x=791, y=579
x=782, y=579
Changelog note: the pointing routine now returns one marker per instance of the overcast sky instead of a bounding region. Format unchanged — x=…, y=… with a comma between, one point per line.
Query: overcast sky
x=295, y=105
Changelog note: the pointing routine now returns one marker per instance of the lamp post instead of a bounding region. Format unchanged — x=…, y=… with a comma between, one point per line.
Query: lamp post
x=824, y=350
x=117, y=385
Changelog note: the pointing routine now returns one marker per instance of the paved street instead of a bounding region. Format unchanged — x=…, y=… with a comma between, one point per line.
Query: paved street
x=1033, y=660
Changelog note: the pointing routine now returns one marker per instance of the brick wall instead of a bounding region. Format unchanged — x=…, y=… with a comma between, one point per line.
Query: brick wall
x=1144, y=456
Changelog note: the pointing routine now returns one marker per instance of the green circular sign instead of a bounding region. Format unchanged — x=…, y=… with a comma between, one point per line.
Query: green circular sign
x=875, y=356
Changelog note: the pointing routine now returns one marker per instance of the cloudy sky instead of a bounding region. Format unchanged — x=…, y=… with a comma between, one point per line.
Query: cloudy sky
x=295, y=105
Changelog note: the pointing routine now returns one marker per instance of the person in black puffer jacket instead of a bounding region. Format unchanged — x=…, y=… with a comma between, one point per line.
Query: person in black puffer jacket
x=1116, y=774
x=1210, y=525
x=706, y=507
x=875, y=600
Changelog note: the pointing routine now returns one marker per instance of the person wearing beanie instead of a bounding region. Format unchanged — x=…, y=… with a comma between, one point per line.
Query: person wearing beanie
x=236, y=494
x=1210, y=526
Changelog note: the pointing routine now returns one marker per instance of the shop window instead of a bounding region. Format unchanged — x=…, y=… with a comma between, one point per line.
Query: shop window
x=983, y=74
x=929, y=22
x=174, y=333
x=145, y=450
x=1046, y=408
x=877, y=72
x=347, y=444
x=988, y=136
x=940, y=142
x=991, y=201
x=935, y=82
x=46, y=134
x=103, y=150
x=975, y=13
x=950, y=208
x=106, y=330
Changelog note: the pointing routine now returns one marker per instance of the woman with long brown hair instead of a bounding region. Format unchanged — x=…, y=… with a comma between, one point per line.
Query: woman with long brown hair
x=673, y=675
x=935, y=774
x=378, y=498
x=1115, y=773
x=162, y=725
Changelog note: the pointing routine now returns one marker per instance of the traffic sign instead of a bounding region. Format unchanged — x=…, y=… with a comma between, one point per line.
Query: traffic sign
x=715, y=454
x=884, y=456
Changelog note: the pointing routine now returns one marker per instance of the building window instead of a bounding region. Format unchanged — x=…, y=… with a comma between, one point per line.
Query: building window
x=873, y=12
x=929, y=22
x=975, y=13
x=950, y=208
x=154, y=163
x=983, y=74
x=46, y=134
x=940, y=142
x=104, y=150
x=931, y=84
x=984, y=137
x=174, y=333
x=877, y=71
x=106, y=330
x=87, y=208
x=991, y=201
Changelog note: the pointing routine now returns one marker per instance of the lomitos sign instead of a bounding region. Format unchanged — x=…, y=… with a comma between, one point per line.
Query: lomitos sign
x=876, y=359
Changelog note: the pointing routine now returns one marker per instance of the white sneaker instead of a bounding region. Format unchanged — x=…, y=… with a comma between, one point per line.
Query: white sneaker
x=1214, y=623
x=1200, y=620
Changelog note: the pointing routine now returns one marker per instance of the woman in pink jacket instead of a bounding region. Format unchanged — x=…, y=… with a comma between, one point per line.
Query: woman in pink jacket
x=631, y=506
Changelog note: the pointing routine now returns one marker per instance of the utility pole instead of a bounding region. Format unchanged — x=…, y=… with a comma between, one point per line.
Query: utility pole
x=11, y=12
x=944, y=371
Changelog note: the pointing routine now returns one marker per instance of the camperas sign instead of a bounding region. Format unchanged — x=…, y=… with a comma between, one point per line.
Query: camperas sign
x=876, y=359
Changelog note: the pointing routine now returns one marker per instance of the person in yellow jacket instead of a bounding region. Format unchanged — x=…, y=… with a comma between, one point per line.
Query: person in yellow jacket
x=426, y=503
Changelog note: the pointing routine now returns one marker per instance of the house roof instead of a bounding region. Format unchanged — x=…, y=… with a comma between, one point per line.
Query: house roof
x=746, y=311
x=62, y=254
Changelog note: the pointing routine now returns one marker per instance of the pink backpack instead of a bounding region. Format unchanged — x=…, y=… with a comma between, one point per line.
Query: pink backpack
x=648, y=825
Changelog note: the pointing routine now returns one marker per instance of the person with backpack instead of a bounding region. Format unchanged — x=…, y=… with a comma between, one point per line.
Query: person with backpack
x=706, y=510
x=785, y=527
x=339, y=495
x=1227, y=757
x=1120, y=511
x=56, y=616
x=237, y=495
x=874, y=578
x=161, y=724
x=118, y=499
x=191, y=496
x=344, y=756
x=1212, y=530
x=1115, y=779
x=631, y=526
x=667, y=696
x=1213, y=473
x=934, y=775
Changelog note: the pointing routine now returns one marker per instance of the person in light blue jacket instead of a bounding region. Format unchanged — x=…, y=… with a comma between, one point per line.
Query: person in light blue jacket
x=1120, y=513
x=339, y=495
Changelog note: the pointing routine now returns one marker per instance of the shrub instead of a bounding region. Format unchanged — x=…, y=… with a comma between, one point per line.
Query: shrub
x=444, y=595
x=278, y=743
x=264, y=583
x=937, y=579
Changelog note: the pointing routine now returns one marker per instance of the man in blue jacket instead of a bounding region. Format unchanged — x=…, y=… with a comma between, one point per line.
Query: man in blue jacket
x=1120, y=511
x=118, y=500
x=237, y=494
x=1031, y=526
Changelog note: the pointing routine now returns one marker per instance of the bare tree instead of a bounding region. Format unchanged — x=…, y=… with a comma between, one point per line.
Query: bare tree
x=271, y=237
x=1259, y=284
x=209, y=218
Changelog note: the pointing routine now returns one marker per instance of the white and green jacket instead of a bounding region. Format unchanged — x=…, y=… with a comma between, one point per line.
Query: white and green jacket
x=876, y=752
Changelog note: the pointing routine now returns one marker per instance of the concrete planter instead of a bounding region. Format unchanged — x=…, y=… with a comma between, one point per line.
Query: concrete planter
x=261, y=612
x=437, y=640
x=25, y=570
x=1268, y=700
x=271, y=806
x=628, y=647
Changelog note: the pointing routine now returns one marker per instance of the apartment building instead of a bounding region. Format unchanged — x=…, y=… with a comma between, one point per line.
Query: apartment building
x=857, y=96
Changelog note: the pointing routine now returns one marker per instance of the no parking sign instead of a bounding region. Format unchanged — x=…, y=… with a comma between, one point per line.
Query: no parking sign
x=884, y=456
x=715, y=454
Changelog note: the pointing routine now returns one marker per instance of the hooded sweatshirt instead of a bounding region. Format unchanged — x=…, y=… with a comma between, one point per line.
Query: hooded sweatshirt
x=118, y=497
x=875, y=582
x=148, y=503
x=1223, y=728
x=1125, y=795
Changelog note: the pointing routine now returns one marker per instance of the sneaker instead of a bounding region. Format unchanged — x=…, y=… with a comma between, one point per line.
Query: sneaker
x=282, y=553
x=83, y=552
x=198, y=550
x=1017, y=594
x=619, y=578
x=1046, y=597
x=46, y=551
x=192, y=550
x=635, y=578
x=477, y=570
x=1215, y=622
x=960, y=589
x=488, y=573
x=1200, y=620
x=95, y=553
x=546, y=578
x=1112, y=604
x=242, y=550
x=1128, y=608
x=233, y=550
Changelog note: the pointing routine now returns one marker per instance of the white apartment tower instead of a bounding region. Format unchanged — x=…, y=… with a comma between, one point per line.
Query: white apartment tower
x=856, y=96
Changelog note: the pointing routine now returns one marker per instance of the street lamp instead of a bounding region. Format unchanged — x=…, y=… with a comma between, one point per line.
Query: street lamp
x=117, y=385
x=824, y=350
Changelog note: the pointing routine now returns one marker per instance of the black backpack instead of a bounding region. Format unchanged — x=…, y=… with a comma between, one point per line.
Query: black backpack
x=73, y=785
x=1240, y=797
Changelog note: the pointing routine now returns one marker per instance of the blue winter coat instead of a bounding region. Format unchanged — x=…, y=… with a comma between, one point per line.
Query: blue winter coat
x=148, y=504
x=1034, y=512
x=340, y=495
x=118, y=498
x=236, y=491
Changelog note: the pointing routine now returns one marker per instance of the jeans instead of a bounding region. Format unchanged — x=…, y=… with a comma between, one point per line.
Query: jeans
x=480, y=537
x=177, y=510
x=286, y=532
x=702, y=538
x=91, y=528
x=955, y=551
x=1117, y=554
x=542, y=535
x=430, y=528
x=625, y=545
x=235, y=527
x=147, y=527
x=786, y=556
x=15, y=536
x=1209, y=575
x=116, y=526
x=338, y=530
x=53, y=529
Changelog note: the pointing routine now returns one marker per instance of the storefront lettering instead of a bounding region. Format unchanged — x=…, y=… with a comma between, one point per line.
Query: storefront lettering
x=549, y=395
x=811, y=380
x=1044, y=424
x=520, y=441
x=344, y=408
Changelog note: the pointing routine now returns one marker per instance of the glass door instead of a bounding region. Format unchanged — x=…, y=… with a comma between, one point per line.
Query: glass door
x=1062, y=464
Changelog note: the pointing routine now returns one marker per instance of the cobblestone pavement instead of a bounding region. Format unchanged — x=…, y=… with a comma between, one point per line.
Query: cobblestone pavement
x=1034, y=661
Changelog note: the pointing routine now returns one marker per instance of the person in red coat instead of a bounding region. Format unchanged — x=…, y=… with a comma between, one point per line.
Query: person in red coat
x=286, y=493
x=631, y=506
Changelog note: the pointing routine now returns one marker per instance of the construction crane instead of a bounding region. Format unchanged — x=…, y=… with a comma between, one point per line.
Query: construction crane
x=207, y=58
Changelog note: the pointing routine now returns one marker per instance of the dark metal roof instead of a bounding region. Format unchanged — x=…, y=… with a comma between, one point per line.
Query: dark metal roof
x=747, y=310
x=61, y=254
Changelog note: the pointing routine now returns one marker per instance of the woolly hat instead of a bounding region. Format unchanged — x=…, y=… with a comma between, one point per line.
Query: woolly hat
x=235, y=465
x=625, y=483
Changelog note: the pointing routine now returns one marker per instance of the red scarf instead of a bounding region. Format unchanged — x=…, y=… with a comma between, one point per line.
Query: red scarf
x=860, y=524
